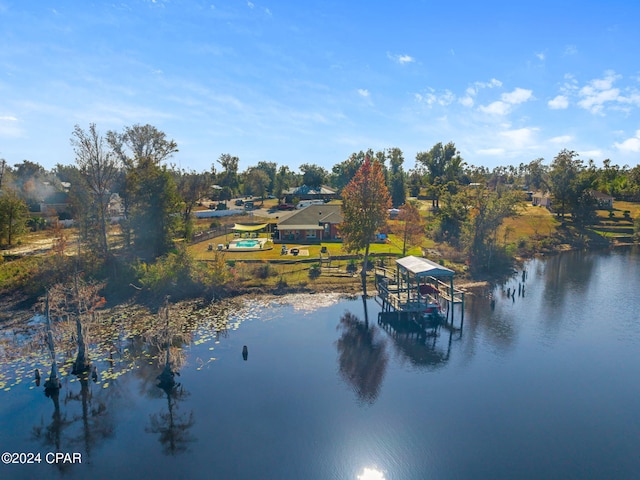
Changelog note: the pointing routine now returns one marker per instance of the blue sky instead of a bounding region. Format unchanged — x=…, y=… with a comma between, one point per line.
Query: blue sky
x=297, y=82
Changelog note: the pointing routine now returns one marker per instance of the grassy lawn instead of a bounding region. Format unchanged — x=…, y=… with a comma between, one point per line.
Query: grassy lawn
x=272, y=251
x=532, y=221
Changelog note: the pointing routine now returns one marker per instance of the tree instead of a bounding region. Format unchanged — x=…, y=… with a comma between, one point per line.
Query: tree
x=563, y=176
x=535, y=174
x=13, y=216
x=313, y=176
x=270, y=169
x=410, y=226
x=141, y=142
x=397, y=178
x=137, y=147
x=257, y=182
x=284, y=180
x=365, y=208
x=229, y=176
x=452, y=215
x=487, y=213
x=343, y=172
x=154, y=207
x=443, y=164
x=98, y=167
x=191, y=187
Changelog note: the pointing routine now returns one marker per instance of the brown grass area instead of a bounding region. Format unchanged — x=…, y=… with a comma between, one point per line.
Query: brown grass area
x=532, y=221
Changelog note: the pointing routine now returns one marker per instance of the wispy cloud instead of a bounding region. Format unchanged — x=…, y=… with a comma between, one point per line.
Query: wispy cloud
x=468, y=100
x=401, y=59
x=9, y=127
x=431, y=97
x=363, y=92
x=540, y=56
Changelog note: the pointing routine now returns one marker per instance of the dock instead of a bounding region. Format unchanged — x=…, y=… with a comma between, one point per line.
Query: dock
x=416, y=287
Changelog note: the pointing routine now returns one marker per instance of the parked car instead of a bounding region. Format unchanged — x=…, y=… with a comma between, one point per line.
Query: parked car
x=286, y=206
x=239, y=202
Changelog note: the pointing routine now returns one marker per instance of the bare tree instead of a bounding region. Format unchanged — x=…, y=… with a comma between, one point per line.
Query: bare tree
x=99, y=168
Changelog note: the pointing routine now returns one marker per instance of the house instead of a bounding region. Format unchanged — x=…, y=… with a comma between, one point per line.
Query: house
x=540, y=199
x=308, y=193
x=315, y=223
x=603, y=200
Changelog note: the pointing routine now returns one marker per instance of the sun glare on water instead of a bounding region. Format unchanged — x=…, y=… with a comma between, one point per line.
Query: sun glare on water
x=371, y=474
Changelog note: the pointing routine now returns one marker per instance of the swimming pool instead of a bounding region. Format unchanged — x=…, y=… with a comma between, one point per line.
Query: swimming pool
x=248, y=243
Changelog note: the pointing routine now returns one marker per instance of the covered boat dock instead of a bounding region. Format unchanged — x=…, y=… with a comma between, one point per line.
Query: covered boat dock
x=419, y=285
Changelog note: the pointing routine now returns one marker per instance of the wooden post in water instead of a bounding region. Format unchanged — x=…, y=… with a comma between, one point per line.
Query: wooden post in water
x=452, y=299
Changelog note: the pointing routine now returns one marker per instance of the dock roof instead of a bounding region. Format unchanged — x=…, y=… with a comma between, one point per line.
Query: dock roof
x=423, y=267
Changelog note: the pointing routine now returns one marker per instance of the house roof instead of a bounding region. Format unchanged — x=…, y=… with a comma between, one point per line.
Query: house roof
x=600, y=195
x=304, y=190
x=423, y=267
x=541, y=195
x=311, y=217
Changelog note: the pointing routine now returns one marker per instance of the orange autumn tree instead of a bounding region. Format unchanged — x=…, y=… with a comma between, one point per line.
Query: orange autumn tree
x=365, y=209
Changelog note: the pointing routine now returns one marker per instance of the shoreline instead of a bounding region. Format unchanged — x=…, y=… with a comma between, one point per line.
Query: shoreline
x=16, y=308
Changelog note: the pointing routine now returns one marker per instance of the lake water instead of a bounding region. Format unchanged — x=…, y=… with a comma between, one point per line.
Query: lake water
x=544, y=385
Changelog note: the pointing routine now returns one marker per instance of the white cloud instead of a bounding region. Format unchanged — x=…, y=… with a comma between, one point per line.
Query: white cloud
x=570, y=50
x=363, y=92
x=496, y=108
x=630, y=145
x=520, y=138
x=560, y=102
x=597, y=92
x=561, y=139
x=507, y=100
x=519, y=95
x=250, y=5
x=540, y=56
x=491, y=151
x=401, y=59
x=591, y=153
x=466, y=101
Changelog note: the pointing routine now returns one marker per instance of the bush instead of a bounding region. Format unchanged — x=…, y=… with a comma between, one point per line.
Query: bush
x=263, y=271
x=314, y=271
x=612, y=214
x=626, y=214
x=281, y=283
x=352, y=267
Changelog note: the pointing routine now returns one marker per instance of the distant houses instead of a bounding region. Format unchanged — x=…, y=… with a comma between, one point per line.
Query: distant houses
x=315, y=223
x=541, y=199
x=310, y=193
x=603, y=200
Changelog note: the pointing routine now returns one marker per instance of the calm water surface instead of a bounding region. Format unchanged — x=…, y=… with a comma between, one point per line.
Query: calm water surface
x=544, y=385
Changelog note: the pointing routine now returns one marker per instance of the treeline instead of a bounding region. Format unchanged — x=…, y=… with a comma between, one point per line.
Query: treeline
x=157, y=197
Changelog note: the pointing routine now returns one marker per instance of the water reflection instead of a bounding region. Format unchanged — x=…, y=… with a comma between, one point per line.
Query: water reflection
x=171, y=426
x=362, y=356
x=418, y=343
